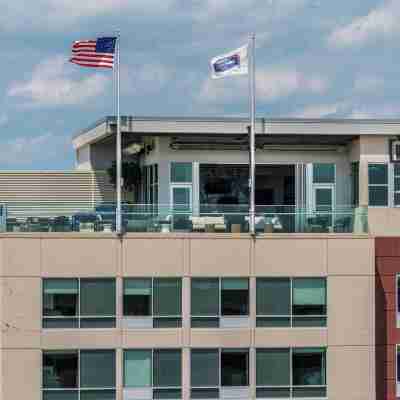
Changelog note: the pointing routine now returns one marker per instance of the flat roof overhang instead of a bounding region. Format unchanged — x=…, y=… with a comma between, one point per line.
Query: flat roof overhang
x=208, y=128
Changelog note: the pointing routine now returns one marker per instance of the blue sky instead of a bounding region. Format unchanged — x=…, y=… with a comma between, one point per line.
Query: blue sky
x=315, y=58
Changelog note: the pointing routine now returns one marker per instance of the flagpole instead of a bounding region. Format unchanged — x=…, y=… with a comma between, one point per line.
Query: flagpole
x=252, y=87
x=118, y=222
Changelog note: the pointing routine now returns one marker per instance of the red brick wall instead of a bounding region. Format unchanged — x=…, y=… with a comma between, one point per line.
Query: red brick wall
x=387, y=251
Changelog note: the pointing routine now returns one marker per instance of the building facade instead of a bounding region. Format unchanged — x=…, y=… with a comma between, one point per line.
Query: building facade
x=186, y=304
x=188, y=316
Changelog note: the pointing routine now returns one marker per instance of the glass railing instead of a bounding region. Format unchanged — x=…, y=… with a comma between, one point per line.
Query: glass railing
x=182, y=218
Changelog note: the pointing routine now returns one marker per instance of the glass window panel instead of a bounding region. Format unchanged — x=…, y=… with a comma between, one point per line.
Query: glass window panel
x=398, y=364
x=167, y=394
x=97, y=395
x=398, y=293
x=355, y=180
x=137, y=297
x=397, y=199
x=97, y=297
x=309, y=367
x=60, y=297
x=60, y=395
x=324, y=173
x=234, y=368
x=205, y=297
x=57, y=286
x=223, y=187
x=137, y=368
x=234, y=297
x=97, y=369
x=378, y=196
x=167, y=322
x=181, y=172
x=204, y=394
x=51, y=323
x=60, y=369
x=205, y=322
x=397, y=184
x=305, y=322
x=397, y=169
x=309, y=292
x=273, y=393
x=377, y=174
x=167, y=296
x=93, y=323
x=323, y=199
x=181, y=198
x=273, y=296
x=273, y=367
x=309, y=392
x=204, y=368
x=273, y=322
x=167, y=368
x=235, y=284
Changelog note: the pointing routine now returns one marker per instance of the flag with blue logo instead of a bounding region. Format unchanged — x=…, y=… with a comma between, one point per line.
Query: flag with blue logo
x=235, y=62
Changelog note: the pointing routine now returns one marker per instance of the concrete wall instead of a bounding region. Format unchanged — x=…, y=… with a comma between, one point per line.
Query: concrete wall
x=346, y=261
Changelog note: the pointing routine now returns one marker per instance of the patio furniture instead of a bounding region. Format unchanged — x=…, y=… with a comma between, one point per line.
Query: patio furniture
x=61, y=224
x=12, y=225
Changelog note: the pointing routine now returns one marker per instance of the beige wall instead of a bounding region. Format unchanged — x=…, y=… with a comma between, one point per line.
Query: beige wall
x=347, y=261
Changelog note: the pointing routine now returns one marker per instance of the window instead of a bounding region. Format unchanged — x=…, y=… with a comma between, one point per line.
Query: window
x=355, y=183
x=398, y=370
x=216, y=369
x=79, y=303
x=378, y=185
x=297, y=302
x=234, y=367
x=324, y=173
x=152, y=303
x=159, y=371
x=205, y=374
x=398, y=299
x=181, y=172
x=396, y=185
x=84, y=375
x=219, y=302
x=291, y=373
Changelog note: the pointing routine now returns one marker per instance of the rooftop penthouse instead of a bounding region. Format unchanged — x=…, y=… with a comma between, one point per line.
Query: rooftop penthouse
x=191, y=175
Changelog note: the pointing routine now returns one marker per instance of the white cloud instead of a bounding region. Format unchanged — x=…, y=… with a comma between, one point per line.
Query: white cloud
x=58, y=14
x=271, y=84
x=317, y=111
x=368, y=84
x=271, y=9
x=378, y=23
x=26, y=150
x=54, y=84
x=3, y=119
x=145, y=78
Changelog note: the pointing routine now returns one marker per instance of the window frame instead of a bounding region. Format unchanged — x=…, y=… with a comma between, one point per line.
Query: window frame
x=291, y=316
x=387, y=185
x=78, y=388
x=397, y=367
x=393, y=180
x=79, y=316
x=291, y=386
x=152, y=316
x=220, y=351
x=152, y=387
x=220, y=315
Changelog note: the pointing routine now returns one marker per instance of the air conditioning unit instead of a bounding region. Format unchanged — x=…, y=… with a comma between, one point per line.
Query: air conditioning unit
x=395, y=151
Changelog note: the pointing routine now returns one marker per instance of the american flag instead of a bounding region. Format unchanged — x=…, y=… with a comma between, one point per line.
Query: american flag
x=97, y=53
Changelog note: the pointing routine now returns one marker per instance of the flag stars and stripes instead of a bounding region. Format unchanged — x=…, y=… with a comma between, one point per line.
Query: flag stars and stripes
x=97, y=53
